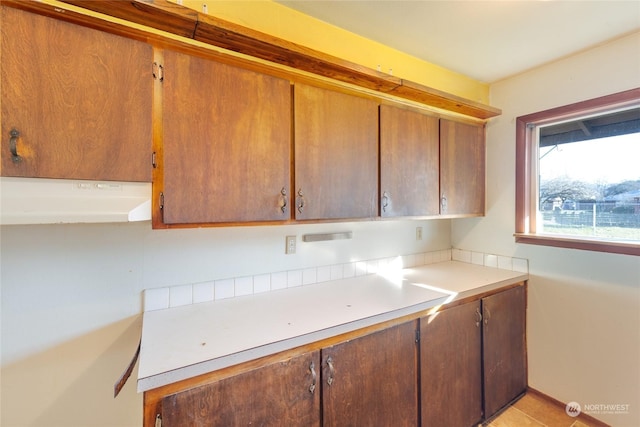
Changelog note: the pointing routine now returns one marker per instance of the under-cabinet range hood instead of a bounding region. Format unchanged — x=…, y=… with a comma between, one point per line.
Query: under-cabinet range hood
x=60, y=201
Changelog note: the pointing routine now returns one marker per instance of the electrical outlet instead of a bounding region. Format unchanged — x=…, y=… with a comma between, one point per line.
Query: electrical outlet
x=290, y=247
x=418, y=233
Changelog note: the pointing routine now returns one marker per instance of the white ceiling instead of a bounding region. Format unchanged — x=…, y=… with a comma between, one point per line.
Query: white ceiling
x=485, y=40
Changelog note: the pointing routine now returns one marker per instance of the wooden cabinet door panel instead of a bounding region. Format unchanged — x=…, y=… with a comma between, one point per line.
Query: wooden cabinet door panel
x=80, y=99
x=504, y=344
x=226, y=142
x=451, y=366
x=279, y=394
x=336, y=154
x=409, y=162
x=462, y=168
x=372, y=380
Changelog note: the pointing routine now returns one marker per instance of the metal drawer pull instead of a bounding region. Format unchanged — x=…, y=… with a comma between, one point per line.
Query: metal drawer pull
x=478, y=317
x=301, y=200
x=331, y=370
x=487, y=315
x=13, y=145
x=312, y=368
x=385, y=201
x=285, y=200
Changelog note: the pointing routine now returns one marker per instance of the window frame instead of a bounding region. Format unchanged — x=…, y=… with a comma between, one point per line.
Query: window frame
x=526, y=141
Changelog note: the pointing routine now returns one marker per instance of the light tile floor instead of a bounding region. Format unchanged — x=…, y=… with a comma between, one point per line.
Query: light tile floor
x=533, y=410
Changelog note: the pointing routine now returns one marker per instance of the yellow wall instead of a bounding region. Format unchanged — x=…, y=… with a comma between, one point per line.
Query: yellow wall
x=279, y=21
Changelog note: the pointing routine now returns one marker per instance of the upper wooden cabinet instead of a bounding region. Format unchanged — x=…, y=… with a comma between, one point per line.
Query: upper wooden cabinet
x=462, y=168
x=76, y=102
x=409, y=153
x=226, y=143
x=336, y=154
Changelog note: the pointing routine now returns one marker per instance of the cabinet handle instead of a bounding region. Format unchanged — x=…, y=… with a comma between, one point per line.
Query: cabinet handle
x=285, y=200
x=312, y=368
x=300, y=200
x=331, y=370
x=385, y=201
x=487, y=315
x=478, y=317
x=158, y=72
x=13, y=145
x=443, y=203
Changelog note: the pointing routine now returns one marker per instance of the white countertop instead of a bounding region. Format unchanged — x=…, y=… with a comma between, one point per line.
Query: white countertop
x=182, y=342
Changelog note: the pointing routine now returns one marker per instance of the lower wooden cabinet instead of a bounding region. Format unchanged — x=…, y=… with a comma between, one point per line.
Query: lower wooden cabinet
x=371, y=381
x=280, y=394
x=470, y=362
x=451, y=366
x=473, y=359
x=504, y=348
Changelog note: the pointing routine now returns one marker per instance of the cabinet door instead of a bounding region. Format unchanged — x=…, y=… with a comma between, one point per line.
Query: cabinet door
x=372, y=381
x=409, y=163
x=462, y=168
x=336, y=154
x=451, y=366
x=79, y=100
x=280, y=394
x=226, y=143
x=504, y=345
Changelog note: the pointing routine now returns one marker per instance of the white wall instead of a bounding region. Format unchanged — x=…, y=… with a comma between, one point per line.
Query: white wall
x=584, y=307
x=71, y=300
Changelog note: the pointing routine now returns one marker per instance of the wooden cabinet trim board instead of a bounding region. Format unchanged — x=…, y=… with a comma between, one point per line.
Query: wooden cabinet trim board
x=187, y=23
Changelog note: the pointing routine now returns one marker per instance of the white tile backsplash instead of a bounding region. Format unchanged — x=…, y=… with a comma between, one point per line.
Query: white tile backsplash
x=461, y=255
x=309, y=276
x=156, y=299
x=337, y=272
x=490, y=260
x=477, y=258
x=243, y=286
x=505, y=263
x=520, y=265
x=278, y=280
x=180, y=295
x=324, y=274
x=203, y=292
x=166, y=297
x=224, y=289
x=294, y=278
x=348, y=270
x=261, y=283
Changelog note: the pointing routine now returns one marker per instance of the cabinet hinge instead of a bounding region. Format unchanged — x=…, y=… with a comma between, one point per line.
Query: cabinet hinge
x=417, y=335
x=153, y=160
x=161, y=201
x=158, y=420
x=158, y=72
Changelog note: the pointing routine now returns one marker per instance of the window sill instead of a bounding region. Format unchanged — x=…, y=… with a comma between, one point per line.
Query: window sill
x=570, y=242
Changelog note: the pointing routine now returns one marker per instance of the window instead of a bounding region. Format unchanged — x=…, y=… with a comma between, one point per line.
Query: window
x=578, y=175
